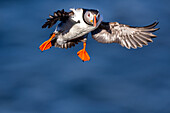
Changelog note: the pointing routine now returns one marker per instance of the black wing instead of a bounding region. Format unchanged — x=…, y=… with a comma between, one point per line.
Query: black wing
x=128, y=36
x=58, y=16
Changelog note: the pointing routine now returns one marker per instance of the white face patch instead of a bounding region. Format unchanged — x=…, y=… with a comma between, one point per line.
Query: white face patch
x=88, y=17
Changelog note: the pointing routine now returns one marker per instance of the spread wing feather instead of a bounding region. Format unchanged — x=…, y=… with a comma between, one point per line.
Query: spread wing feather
x=58, y=16
x=127, y=36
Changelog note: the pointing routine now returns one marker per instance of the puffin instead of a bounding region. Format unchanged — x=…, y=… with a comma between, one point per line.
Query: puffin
x=74, y=27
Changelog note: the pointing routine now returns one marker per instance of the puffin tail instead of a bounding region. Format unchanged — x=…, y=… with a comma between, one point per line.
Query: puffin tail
x=47, y=44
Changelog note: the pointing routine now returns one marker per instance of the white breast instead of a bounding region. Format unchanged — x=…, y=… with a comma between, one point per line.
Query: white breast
x=76, y=27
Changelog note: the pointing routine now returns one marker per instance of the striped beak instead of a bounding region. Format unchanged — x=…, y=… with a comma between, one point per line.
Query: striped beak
x=94, y=21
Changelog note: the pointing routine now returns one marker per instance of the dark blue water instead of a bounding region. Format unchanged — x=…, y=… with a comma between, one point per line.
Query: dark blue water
x=116, y=80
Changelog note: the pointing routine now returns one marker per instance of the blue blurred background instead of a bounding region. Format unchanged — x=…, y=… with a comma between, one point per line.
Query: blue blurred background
x=116, y=80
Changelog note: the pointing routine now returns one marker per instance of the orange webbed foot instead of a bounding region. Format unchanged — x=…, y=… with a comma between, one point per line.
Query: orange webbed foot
x=83, y=54
x=47, y=44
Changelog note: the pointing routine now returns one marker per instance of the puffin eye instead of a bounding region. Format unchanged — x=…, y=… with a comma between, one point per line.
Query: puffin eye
x=89, y=15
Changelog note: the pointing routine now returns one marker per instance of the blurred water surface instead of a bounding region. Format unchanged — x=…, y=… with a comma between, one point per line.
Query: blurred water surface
x=116, y=80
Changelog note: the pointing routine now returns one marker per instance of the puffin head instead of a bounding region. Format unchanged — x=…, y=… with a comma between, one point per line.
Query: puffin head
x=91, y=16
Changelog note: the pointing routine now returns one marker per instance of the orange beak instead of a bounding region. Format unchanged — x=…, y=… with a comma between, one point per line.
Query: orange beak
x=94, y=24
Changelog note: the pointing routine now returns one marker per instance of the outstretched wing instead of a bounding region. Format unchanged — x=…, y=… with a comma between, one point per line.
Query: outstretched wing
x=58, y=16
x=128, y=36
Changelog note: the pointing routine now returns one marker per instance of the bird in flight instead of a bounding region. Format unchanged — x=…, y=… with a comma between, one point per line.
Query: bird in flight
x=75, y=26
